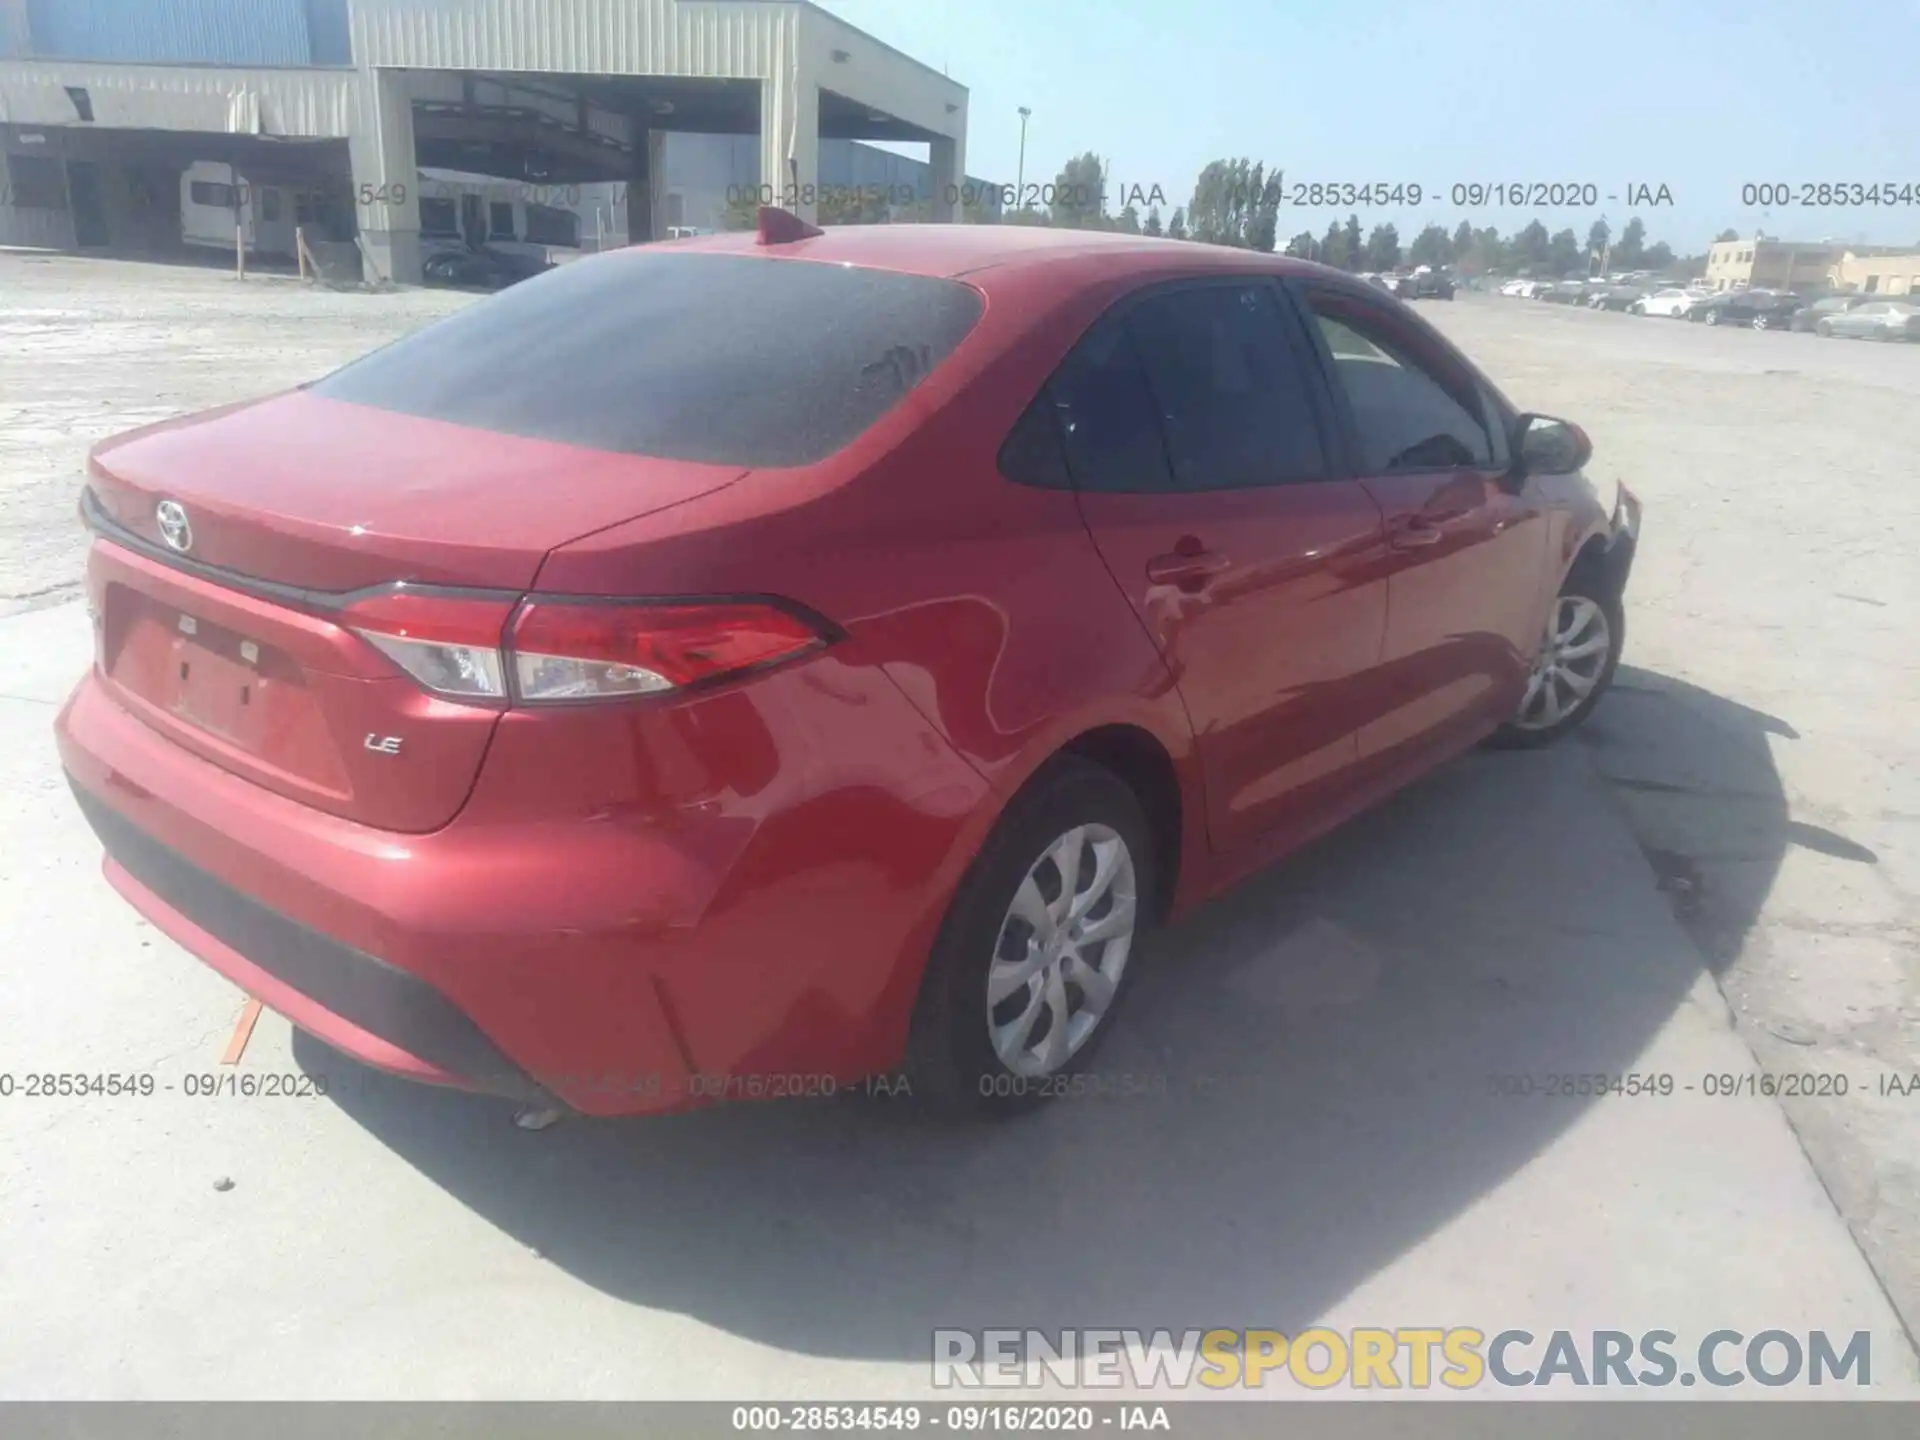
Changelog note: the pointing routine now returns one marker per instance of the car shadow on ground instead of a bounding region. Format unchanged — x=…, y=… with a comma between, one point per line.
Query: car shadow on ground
x=1302, y=1089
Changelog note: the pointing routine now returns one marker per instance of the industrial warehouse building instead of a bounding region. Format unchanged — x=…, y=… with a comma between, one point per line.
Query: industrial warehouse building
x=121, y=121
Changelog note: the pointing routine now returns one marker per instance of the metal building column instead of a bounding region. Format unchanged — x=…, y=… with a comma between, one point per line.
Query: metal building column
x=646, y=186
x=386, y=177
x=947, y=159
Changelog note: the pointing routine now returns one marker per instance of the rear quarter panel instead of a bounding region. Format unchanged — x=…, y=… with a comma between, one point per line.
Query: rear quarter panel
x=985, y=602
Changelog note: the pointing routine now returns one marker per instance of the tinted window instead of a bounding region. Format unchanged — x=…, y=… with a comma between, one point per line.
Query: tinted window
x=728, y=359
x=1033, y=453
x=500, y=220
x=439, y=217
x=1107, y=414
x=549, y=226
x=1412, y=409
x=1232, y=393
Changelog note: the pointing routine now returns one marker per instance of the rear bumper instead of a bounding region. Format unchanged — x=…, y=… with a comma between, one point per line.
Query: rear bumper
x=560, y=940
x=380, y=1015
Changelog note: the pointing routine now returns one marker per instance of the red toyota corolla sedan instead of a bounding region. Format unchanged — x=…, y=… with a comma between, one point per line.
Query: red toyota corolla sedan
x=748, y=665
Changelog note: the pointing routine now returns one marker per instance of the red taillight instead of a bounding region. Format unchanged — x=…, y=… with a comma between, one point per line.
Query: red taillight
x=450, y=643
x=480, y=648
x=564, y=650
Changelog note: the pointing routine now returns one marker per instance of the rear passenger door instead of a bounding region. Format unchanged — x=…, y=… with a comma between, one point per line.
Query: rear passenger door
x=1466, y=555
x=1197, y=429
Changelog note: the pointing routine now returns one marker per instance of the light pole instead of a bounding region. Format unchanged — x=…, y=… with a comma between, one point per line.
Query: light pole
x=1020, y=182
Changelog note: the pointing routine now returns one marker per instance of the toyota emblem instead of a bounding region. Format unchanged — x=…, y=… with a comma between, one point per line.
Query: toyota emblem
x=172, y=520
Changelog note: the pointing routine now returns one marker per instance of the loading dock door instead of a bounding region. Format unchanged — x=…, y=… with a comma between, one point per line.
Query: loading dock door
x=88, y=197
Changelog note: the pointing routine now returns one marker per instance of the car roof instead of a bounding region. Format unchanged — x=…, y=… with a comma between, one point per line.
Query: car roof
x=951, y=251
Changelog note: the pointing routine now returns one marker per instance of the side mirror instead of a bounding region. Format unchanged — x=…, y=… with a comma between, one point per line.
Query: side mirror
x=1543, y=445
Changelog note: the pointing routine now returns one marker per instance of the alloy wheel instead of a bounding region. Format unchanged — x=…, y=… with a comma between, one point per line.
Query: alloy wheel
x=1571, y=659
x=1061, y=950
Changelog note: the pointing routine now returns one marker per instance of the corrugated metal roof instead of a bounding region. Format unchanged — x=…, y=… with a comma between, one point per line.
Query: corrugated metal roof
x=207, y=32
x=645, y=37
x=329, y=32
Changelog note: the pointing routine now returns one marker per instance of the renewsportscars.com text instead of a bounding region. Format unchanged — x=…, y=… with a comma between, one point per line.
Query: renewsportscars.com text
x=1459, y=1358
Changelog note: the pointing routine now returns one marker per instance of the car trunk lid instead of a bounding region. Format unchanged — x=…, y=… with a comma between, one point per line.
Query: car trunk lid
x=235, y=636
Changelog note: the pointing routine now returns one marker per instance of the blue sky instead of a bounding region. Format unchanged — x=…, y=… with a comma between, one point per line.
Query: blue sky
x=1703, y=96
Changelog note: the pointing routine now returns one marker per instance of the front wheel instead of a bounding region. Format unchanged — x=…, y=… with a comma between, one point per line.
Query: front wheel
x=1712, y=317
x=1034, y=955
x=1579, y=651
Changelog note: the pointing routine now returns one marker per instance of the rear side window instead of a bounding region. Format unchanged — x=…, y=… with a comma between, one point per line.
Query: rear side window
x=724, y=359
x=1108, y=414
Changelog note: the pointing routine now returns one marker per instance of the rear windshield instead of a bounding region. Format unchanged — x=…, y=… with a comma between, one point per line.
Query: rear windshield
x=728, y=359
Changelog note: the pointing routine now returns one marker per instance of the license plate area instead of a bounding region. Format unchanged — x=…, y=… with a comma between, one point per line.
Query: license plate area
x=206, y=676
x=219, y=684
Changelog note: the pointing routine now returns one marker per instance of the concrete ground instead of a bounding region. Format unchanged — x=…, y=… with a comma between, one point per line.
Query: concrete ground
x=1322, y=1141
x=1762, y=745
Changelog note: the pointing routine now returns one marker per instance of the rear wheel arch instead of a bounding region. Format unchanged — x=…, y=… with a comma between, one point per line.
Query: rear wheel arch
x=1138, y=758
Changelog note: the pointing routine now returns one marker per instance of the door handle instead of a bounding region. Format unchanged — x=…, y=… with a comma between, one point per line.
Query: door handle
x=1413, y=531
x=1188, y=569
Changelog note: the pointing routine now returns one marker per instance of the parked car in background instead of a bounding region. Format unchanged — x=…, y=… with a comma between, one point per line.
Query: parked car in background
x=1875, y=320
x=1521, y=288
x=481, y=268
x=1566, y=292
x=486, y=707
x=1764, y=310
x=1711, y=309
x=1673, y=302
x=1433, y=285
x=1809, y=316
x=1615, y=297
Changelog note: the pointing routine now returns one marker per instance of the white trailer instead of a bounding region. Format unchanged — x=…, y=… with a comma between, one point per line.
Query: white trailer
x=216, y=200
x=552, y=222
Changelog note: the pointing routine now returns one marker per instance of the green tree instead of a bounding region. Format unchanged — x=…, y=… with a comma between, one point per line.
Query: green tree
x=1630, y=250
x=1128, y=222
x=1433, y=246
x=1302, y=246
x=1264, y=231
x=1533, y=248
x=857, y=206
x=1226, y=199
x=1659, y=256
x=1383, y=248
x=1725, y=235
x=1462, y=240
x=1153, y=225
x=1597, y=237
x=1333, y=247
x=1563, y=253
x=1356, y=247
x=1177, y=226
x=1079, y=192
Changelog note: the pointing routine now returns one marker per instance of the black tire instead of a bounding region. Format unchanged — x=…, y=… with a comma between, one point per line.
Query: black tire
x=1584, y=582
x=1712, y=317
x=952, y=1067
